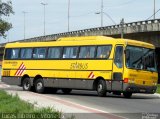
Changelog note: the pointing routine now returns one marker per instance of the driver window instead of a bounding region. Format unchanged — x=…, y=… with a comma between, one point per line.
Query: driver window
x=118, y=60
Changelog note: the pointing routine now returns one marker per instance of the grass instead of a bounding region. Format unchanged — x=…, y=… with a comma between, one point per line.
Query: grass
x=12, y=106
x=158, y=89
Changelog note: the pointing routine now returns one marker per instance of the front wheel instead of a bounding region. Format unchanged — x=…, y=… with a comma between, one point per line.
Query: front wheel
x=127, y=94
x=101, y=88
x=26, y=84
x=39, y=86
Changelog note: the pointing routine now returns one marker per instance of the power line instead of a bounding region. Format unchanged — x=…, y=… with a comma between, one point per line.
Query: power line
x=110, y=18
x=154, y=14
x=83, y=14
x=121, y=4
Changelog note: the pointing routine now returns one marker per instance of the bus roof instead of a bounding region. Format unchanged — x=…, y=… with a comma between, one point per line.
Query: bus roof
x=85, y=40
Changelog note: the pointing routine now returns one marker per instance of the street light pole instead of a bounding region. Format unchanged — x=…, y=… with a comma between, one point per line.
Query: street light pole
x=24, y=13
x=101, y=13
x=44, y=4
x=154, y=16
x=68, y=15
x=122, y=28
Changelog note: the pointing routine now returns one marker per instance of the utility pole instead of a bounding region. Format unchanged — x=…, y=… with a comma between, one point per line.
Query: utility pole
x=24, y=13
x=44, y=4
x=68, y=15
x=101, y=13
x=122, y=28
x=0, y=4
x=154, y=16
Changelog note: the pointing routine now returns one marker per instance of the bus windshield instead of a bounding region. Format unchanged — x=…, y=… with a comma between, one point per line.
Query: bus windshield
x=140, y=58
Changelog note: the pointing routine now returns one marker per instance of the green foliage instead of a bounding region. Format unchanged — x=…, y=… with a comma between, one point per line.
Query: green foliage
x=4, y=26
x=158, y=88
x=12, y=106
x=5, y=11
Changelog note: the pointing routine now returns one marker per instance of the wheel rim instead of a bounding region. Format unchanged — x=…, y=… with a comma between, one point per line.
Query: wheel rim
x=100, y=87
x=27, y=85
x=39, y=85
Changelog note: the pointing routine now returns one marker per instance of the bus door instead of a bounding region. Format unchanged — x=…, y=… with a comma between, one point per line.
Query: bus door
x=117, y=74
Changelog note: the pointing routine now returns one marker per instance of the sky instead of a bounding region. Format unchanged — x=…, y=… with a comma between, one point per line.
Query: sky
x=82, y=15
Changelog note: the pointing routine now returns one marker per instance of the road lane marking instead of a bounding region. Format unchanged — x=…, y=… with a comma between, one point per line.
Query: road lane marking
x=82, y=107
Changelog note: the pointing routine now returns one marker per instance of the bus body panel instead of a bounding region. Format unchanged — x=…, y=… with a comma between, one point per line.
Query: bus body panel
x=80, y=73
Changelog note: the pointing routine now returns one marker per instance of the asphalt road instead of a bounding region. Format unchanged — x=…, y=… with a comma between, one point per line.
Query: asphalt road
x=140, y=106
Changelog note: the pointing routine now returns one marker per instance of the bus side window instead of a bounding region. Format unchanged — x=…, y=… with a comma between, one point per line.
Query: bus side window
x=103, y=51
x=14, y=53
x=8, y=53
x=118, y=59
x=54, y=52
x=39, y=53
x=70, y=52
x=26, y=53
x=87, y=52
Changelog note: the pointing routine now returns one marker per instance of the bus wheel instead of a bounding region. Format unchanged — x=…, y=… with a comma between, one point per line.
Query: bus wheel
x=26, y=84
x=39, y=86
x=101, y=88
x=66, y=90
x=127, y=94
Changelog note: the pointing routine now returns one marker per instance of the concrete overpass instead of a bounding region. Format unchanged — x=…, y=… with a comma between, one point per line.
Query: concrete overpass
x=147, y=31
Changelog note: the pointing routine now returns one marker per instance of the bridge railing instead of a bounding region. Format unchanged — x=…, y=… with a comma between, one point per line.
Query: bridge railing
x=139, y=26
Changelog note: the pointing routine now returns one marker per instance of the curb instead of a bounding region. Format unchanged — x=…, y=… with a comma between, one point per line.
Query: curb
x=157, y=94
x=3, y=85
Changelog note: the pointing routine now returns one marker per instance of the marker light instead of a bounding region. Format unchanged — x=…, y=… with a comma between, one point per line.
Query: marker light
x=125, y=80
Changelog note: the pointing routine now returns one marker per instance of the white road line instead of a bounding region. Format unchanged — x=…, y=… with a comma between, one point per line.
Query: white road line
x=79, y=106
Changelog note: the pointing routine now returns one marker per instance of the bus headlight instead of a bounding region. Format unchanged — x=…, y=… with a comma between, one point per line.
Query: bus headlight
x=154, y=83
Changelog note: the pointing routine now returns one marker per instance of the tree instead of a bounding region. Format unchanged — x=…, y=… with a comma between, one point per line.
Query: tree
x=5, y=11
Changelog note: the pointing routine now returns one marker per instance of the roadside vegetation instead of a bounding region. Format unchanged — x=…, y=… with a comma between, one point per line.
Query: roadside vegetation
x=12, y=107
x=158, y=88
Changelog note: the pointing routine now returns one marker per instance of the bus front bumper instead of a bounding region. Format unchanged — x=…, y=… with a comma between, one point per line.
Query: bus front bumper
x=140, y=88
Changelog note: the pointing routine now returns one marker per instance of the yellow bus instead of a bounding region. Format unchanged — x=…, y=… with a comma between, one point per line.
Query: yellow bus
x=98, y=63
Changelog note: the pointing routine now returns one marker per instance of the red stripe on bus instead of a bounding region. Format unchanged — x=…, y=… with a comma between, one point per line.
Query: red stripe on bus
x=18, y=68
x=21, y=69
x=90, y=74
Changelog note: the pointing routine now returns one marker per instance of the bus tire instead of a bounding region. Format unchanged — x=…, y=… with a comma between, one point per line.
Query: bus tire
x=26, y=84
x=39, y=85
x=101, y=88
x=66, y=90
x=127, y=94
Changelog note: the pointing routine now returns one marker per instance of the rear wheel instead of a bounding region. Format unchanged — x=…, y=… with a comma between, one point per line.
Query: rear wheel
x=39, y=85
x=127, y=94
x=26, y=84
x=66, y=90
x=101, y=88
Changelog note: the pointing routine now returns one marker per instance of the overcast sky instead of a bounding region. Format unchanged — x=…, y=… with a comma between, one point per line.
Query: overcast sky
x=82, y=15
